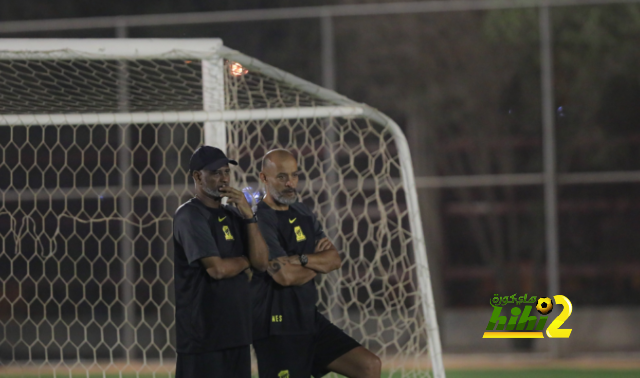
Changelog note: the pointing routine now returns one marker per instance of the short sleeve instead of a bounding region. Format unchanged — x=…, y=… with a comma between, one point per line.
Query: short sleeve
x=317, y=229
x=318, y=232
x=268, y=228
x=192, y=231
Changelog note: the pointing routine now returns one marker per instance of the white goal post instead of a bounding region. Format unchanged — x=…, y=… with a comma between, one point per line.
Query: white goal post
x=96, y=134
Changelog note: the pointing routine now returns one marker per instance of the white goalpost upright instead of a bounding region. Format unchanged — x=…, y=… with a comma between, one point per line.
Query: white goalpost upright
x=72, y=303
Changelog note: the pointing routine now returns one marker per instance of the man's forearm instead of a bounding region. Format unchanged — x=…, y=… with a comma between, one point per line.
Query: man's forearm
x=219, y=268
x=288, y=274
x=325, y=261
x=258, y=250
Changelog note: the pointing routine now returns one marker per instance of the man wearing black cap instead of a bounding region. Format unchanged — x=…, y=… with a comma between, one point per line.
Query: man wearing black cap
x=214, y=244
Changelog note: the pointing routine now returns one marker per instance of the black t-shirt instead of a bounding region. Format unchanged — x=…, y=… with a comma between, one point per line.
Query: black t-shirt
x=210, y=314
x=280, y=310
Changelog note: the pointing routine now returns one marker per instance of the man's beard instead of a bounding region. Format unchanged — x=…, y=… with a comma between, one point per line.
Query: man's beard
x=213, y=193
x=280, y=198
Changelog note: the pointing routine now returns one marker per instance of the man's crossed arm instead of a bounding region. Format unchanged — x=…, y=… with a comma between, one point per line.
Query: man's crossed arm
x=288, y=271
x=219, y=268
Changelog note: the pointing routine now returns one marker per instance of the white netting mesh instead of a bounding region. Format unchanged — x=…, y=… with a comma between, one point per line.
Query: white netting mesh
x=94, y=85
x=86, y=265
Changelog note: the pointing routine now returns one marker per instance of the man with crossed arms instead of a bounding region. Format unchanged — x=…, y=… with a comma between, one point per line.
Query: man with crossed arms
x=214, y=245
x=290, y=337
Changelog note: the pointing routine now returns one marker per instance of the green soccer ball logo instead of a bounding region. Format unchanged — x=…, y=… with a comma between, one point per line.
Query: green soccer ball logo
x=544, y=306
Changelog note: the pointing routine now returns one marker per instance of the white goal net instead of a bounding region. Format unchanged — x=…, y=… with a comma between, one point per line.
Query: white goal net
x=96, y=137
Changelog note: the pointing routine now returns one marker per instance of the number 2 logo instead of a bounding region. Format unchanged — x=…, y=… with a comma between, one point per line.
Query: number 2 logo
x=553, y=330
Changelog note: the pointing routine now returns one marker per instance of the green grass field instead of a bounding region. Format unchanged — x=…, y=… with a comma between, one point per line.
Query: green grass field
x=526, y=373
x=543, y=373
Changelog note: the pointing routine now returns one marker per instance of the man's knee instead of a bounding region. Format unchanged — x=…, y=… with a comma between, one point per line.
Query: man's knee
x=371, y=366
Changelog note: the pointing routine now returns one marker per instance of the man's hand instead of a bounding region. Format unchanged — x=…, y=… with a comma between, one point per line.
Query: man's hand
x=323, y=244
x=249, y=274
x=237, y=197
x=294, y=260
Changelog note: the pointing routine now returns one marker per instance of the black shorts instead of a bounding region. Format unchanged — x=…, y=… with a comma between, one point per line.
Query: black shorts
x=302, y=356
x=226, y=363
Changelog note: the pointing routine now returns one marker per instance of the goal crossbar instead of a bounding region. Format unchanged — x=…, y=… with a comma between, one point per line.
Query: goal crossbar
x=108, y=49
x=180, y=117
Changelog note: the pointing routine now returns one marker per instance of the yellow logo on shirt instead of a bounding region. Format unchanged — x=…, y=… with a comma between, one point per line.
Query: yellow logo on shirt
x=276, y=318
x=227, y=233
x=299, y=235
x=292, y=220
x=283, y=374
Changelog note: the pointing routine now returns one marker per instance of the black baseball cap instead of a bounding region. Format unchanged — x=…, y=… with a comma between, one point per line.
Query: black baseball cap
x=209, y=158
